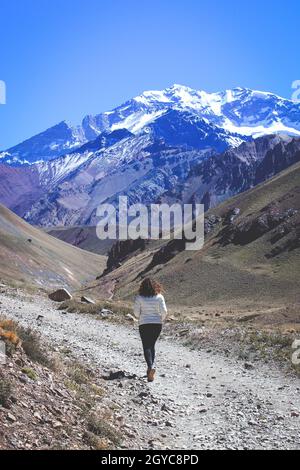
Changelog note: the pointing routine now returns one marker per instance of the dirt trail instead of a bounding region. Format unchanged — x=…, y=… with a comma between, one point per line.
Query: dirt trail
x=200, y=400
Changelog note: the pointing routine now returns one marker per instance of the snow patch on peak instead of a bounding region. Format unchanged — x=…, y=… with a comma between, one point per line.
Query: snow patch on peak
x=135, y=122
x=152, y=96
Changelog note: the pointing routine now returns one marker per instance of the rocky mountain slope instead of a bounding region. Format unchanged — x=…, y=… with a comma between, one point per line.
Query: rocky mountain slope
x=73, y=186
x=31, y=257
x=20, y=187
x=148, y=170
x=220, y=177
x=84, y=237
x=149, y=167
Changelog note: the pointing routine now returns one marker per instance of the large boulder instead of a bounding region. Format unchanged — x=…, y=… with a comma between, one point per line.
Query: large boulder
x=60, y=295
x=105, y=312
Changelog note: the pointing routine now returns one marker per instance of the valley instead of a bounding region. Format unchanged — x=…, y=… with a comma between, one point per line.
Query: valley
x=225, y=374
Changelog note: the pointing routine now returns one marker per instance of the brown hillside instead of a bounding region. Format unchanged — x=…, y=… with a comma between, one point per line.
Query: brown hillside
x=31, y=257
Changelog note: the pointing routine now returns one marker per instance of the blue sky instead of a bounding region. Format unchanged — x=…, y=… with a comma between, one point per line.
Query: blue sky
x=62, y=59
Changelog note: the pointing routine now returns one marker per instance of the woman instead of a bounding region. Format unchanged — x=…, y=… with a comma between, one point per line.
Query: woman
x=151, y=311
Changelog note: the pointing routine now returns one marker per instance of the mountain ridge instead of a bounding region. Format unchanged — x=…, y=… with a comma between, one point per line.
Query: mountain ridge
x=239, y=111
x=176, y=144
x=147, y=170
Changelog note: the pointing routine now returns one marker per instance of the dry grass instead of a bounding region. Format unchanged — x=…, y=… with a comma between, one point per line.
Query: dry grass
x=117, y=307
x=31, y=342
x=80, y=381
x=270, y=344
x=7, y=325
x=78, y=373
x=9, y=334
x=85, y=389
x=34, y=347
x=99, y=426
x=8, y=331
x=96, y=442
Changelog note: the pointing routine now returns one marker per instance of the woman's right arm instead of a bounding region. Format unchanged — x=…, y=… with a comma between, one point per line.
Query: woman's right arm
x=163, y=307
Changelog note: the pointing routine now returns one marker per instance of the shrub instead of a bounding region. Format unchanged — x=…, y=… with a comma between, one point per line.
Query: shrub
x=101, y=428
x=78, y=373
x=96, y=442
x=8, y=331
x=30, y=373
x=9, y=335
x=8, y=325
x=33, y=347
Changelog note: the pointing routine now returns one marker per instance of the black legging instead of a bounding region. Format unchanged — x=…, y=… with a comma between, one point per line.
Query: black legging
x=149, y=335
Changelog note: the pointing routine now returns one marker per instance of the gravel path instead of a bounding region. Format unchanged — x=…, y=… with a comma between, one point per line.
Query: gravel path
x=200, y=400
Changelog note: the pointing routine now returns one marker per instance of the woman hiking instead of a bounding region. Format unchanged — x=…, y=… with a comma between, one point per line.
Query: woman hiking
x=151, y=311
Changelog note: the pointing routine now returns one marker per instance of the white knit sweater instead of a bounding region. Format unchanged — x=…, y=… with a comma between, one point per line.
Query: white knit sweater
x=150, y=309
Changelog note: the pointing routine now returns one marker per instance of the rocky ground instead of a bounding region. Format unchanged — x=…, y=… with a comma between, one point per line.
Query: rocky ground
x=200, y=399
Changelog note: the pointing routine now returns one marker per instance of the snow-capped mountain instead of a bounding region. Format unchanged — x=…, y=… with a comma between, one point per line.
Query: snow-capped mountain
x=58, y=140
x=186, y=129
x=22, y=186
x=67, y=190
x=240, y=112
x=140, y=166
x=146, y=170
x=177, y=144
x=144, y=165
